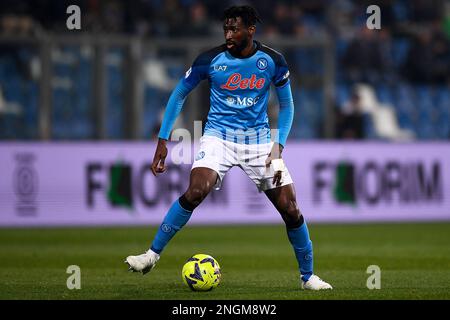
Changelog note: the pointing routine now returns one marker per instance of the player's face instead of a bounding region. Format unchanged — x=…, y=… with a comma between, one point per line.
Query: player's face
x=237, y=35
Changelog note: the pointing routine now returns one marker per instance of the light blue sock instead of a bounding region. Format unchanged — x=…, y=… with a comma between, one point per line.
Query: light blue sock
x=174, y=220
x=299, y=238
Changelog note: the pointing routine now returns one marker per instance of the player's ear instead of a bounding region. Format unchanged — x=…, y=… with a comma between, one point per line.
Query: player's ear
x=252, y=30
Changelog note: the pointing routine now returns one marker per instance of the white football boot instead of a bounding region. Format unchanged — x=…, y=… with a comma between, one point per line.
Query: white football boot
x=142, y=263
x=315, y=283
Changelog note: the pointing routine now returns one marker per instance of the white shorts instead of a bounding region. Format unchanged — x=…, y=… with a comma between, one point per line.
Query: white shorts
x=221, y=155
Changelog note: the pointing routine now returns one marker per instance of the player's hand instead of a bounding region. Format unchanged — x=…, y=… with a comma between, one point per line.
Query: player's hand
x=275, y=153
x=159, y=158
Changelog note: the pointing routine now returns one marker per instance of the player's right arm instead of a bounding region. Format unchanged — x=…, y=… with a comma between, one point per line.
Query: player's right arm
x=193, y=76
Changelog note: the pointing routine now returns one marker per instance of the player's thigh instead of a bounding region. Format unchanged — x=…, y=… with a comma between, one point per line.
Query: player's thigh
x=202, y=180
x=283, y=198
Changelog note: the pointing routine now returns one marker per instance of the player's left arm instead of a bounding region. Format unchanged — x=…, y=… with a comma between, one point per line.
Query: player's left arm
x=285, y=115
x=285, y=119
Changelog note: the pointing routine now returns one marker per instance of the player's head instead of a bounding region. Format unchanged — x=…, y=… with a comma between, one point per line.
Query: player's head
x=239, y=26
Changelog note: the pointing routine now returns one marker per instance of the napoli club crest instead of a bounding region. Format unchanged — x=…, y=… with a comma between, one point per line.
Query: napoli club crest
x=200, y=155
x=166, y=228
x=262, y=63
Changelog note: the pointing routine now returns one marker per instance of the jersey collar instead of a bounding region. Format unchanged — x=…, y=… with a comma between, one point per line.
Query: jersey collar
x=257, y=47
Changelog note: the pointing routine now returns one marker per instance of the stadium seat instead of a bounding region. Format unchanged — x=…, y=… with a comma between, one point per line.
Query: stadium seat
x=301, y=127
x=305, y=132
x=400, y=48
x=424, y=98
x=442, y=102
x=308, y=61
x=343, y=93
x=115, y=104
x=406, y=121
x=175, y=70
x=426, y=131
x=384, y=94
x=400, y=9
x=369, y=127
x=443, y=128
x=404, y=99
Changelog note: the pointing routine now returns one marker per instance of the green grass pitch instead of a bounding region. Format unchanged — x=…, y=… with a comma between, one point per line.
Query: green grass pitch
x=257, y=262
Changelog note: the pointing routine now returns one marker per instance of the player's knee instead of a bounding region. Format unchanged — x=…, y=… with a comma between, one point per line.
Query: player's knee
x=195, y=195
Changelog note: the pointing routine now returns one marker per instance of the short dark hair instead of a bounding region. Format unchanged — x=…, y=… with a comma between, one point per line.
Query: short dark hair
x=248, y=14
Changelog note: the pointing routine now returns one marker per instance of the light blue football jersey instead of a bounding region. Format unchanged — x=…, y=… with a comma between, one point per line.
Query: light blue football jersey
x=239, y=91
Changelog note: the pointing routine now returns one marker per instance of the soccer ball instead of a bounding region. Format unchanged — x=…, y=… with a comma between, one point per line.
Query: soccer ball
x=201, y=272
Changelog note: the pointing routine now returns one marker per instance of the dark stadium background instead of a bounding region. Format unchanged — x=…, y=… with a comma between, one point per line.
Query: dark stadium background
x=106, y=86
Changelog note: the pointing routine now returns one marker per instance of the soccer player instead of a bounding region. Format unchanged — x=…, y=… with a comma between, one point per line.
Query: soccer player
x=237, y=133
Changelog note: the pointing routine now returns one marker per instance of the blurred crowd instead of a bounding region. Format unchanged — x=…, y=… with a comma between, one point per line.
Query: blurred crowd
x=412, y=48
x=366, y=56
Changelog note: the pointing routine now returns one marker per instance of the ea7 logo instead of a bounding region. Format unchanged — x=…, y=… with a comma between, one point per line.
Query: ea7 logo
x=220, y=68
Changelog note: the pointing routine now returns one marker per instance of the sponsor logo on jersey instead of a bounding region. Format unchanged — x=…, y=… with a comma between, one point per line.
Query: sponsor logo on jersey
x=242, y=101
x=220, y=68
x=262, y=63
x=230, y=100
x=236, y=81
